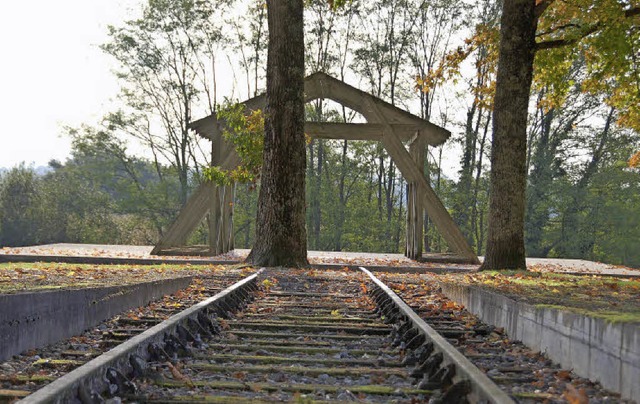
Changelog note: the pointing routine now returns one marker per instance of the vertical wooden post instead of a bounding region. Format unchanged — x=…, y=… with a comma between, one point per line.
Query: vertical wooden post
x=229, y=217
x=415, y=208
x=214, y=221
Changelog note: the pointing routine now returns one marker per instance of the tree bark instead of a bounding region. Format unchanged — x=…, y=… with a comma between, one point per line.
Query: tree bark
x=281, y=238
x=505, y=239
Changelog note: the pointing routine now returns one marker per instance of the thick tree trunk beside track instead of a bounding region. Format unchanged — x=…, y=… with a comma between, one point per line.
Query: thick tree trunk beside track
x=281, y=238
x=505, y=240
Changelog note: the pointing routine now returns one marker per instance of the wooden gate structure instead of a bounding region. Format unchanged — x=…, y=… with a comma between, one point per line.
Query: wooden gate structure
x=385, y=123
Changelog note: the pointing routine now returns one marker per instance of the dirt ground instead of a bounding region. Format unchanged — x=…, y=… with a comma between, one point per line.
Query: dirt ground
x=317, y=257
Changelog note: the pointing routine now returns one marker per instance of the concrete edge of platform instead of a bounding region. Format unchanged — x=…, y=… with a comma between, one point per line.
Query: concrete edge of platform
x=33, y=320
x=71, y=259
x=594, y=348
x=81, y=259
x=14, y=258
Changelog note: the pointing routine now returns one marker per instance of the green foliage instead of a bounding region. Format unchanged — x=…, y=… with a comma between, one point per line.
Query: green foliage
x=605, y=35
x=99, y=195
x=164, y=60
x=19, y=202
x=246, y=133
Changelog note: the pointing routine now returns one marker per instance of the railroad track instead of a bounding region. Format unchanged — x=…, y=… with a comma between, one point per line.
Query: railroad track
x=285, y=335
x=34, y=369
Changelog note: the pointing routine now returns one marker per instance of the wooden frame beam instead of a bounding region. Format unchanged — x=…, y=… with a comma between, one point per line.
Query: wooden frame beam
x=432, y=204
x=358, y=131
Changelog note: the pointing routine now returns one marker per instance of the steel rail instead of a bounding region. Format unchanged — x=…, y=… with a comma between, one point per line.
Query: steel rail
x=90, y=380
x=483, y=389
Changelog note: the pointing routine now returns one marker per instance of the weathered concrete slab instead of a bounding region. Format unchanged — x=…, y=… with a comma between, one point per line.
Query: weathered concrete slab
x=592, y=347
x=32, y=320
x=70, y=259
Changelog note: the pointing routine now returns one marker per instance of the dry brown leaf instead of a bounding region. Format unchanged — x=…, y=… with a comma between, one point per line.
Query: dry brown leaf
x=175, y=372
x=563, y=375
x=575, y=396
x=240, y=375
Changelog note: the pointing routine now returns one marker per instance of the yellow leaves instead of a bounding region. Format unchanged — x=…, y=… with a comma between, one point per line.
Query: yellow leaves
x=269, y=283
x=599, y=34
x=634, y=161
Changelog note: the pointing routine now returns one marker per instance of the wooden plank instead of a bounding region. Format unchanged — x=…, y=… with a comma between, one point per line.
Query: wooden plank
x=189, y=217
x=214, y=221
x=227, y=217
x=321, y=85
x=326, y=86
x=230, y=207
x=359, y=131
x=409, y=250
x=434, y=207
x=415, y=211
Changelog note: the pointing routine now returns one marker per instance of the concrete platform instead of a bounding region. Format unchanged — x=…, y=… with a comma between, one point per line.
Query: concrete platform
x=32, y=320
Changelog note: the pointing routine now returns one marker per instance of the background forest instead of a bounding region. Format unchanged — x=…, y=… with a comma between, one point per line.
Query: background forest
x=129, y=174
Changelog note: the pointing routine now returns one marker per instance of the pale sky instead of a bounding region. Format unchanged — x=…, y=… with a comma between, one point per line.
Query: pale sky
x=52, y=73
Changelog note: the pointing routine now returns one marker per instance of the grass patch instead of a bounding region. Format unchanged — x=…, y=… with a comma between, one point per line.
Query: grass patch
x=40, y=276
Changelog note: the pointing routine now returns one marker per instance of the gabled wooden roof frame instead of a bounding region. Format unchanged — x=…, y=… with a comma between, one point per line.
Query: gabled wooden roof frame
x=385, y=122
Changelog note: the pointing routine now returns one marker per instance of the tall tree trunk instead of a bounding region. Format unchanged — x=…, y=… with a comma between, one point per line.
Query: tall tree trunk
x=478, y=228
x=316, y=213
x=281, y=238
x=577, y=241
x=505, y=238
x=342, y=201
x=540, y=178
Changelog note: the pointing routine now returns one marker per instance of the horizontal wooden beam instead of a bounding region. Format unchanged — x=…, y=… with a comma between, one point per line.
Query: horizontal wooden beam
x=358, y=131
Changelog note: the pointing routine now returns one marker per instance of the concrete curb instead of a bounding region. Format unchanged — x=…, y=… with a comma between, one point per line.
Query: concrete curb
x=72, y=259
x=594, y=348
x=33, y=320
